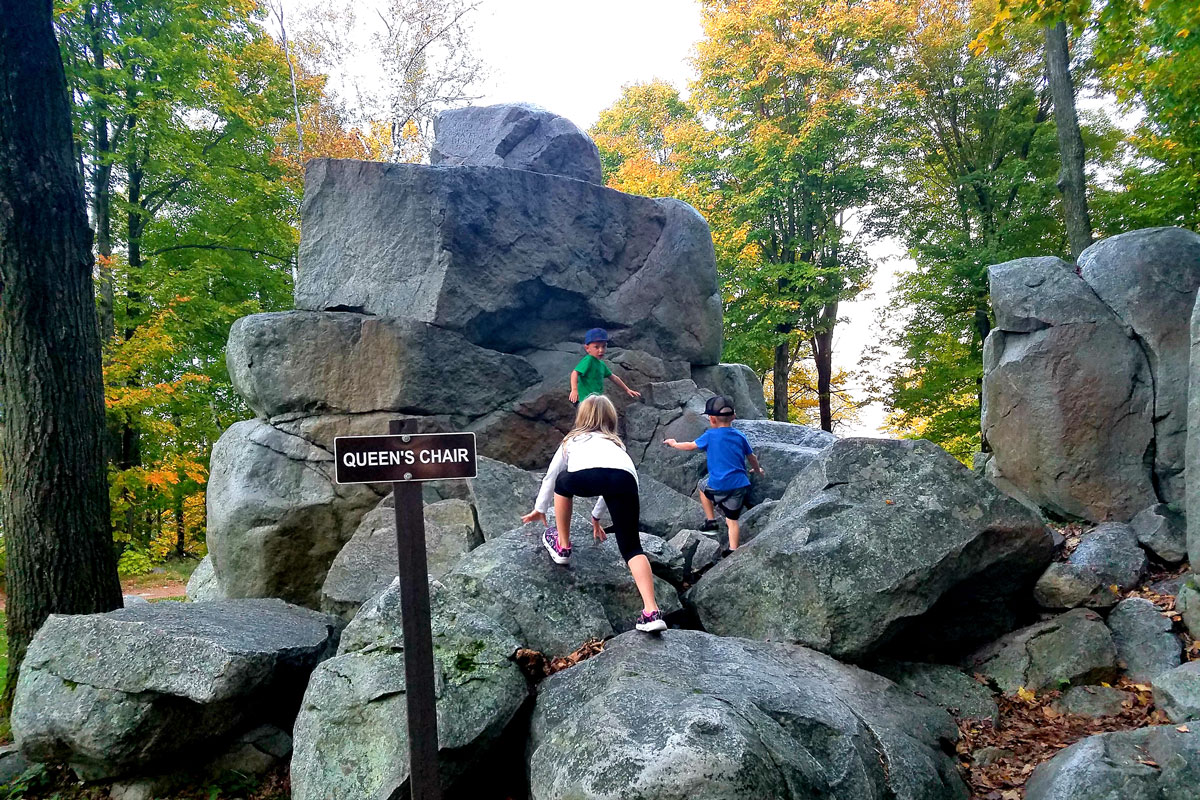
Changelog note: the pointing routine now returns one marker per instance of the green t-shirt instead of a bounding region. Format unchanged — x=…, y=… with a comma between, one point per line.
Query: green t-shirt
x=592, y=372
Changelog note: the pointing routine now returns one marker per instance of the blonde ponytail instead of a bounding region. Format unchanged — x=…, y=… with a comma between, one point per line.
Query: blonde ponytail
x=596, y=414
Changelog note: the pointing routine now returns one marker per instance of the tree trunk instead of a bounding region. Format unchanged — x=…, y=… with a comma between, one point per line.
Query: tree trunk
x=102, y=183
x=1071, y=181
x=822, y=347
x=779, y=381
x=54, y=497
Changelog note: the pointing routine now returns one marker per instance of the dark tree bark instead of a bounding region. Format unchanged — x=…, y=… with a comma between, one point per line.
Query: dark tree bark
x=1071, y=181
x=822, y=349
x=779, y=381
x=102, y=177
x=54, y=498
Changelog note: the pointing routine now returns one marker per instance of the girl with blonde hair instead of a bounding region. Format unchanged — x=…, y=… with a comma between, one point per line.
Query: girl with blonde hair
x=592, y=462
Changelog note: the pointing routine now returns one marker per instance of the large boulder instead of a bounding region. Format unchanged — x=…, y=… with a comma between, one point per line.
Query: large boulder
x=879, y=542
x=370, y=560
x=549, y=607
x=338, y=363
x=502, y=494
x=1192, y=499
x=1149, y=278
x=736, y=382
x=669, y=410
x=516, y=136
x=690, y=715
x=783, y=450
x=1177, y=692
x=1068, y=395
x=1145, y=642
x=351, y=736
x=666, y=512
x=1156, y=763
x=1072, y=648
x=512, y=260
x=1107, y=562
x=276, y=519
x=136, y=688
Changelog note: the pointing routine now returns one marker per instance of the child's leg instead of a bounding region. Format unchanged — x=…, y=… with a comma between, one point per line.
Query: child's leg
x=709, y=511
x=735, y=533
x=639, y=567
x=625, y=508
x=562, y=518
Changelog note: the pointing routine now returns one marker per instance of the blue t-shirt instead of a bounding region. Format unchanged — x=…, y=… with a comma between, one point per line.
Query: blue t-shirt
x=727, y=449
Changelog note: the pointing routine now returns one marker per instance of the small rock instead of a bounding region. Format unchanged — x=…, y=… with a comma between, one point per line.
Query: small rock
x=1162, y=531
x=133, y=600
x=943, y=685
x=202, y=586
x=1108, y=556
x=665, y=558
x=1177, y=692
x=1093, y=701
x=1145, y=642
x=1187, y=603
x=699, y=551
x=12, y=764
x=1074, y=647
x=986, y=756
x=1156, y=763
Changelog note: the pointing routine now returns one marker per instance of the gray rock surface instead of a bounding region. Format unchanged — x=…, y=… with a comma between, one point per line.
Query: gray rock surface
x=351, y=737
x=738, y=383
x=276, y=519
x=1187, y=603
x=1072, y=648
x=699, y=552
x=512, y=260
x=671, y=410
x=1149, y=278
x=337, y=363
x=549, y=607
x=943, y=685
x=370, y=560
x=1094, y=701
x=666, y=512
x=1112, y=766
x=501, y=494
x=1074, y=445
x=783, y=450
x=1107, y=556
x=878, y=542
x=1161, y=531
x=516, y=136
x=130, y=690
x=689, y=715
x=1177, y=692
x=1192, y=454
x=12, y=764
x=666, y=560
x=1146, y=645
x=202, y=585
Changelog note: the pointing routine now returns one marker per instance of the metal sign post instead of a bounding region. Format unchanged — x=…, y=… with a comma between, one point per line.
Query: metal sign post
x=406, y=459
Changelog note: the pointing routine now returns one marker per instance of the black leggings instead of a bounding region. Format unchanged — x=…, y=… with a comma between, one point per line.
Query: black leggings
x=620, y=492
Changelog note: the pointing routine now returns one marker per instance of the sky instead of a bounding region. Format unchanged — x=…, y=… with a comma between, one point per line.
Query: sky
x=574, y=58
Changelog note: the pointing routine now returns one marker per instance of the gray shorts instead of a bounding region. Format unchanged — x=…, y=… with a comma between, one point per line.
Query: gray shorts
x=731, y=502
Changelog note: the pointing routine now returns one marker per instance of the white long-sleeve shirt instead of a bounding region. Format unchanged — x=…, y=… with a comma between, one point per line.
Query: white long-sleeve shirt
x=586, y=451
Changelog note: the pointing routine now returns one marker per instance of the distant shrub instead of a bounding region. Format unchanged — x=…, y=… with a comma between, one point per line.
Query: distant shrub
x=134, y=562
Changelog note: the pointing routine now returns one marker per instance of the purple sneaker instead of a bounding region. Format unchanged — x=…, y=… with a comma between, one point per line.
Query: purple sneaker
x=651, y=623
x=560, y=555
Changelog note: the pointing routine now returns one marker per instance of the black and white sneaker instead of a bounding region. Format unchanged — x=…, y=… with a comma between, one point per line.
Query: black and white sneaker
x=710, y=526
x=651, y=623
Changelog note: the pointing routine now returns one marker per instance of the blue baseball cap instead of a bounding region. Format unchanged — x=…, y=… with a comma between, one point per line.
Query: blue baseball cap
x=595, y=335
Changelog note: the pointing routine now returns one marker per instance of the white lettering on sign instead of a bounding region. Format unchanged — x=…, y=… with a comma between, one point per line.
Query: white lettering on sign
x=449, y=456
x=380, y=458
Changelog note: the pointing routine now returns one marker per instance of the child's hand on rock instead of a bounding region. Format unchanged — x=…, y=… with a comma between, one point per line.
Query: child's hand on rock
x=598, y=531
x=669, y=442
x=534, y=516
x=632, y=393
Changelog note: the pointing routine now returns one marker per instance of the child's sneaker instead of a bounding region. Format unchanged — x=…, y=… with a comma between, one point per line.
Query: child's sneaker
x=650, y=623
x=709, y=526
x=560, y=555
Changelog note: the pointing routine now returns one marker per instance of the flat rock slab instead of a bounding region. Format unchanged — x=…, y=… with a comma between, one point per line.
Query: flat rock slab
x=1108, y=556
x=127, y=690
x=1177, y=692
x=1074, y=445
x=1108, y=766
x=337, y=363
x=1146, y=643
x=549, y=607
x=687, y=714
x=878, y=542
x=943, y=685
x=512, y=260
x=351, y=737
x=1072, y=648
x=516, y=136
x=1094, y=701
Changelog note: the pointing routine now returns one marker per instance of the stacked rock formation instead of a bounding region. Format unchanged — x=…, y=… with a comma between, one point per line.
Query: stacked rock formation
x=1086, y=375
x=457, y=295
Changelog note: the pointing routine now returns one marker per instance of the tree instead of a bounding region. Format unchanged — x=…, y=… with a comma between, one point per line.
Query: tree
x=54, y=498
x=791, y=88
x=1071, y=179
x=975, y=160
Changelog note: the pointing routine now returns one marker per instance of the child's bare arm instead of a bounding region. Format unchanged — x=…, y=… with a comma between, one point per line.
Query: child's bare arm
x=621, y=383
x=574, y=386
x=679, y=445
x=754, y=465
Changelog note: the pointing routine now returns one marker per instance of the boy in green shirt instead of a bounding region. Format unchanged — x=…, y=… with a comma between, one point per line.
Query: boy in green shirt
x=588, y=376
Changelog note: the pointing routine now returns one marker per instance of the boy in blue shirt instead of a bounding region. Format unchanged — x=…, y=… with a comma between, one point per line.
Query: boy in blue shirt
x=727, y=482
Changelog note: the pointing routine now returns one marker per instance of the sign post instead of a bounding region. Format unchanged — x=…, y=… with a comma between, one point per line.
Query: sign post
x=406, y=459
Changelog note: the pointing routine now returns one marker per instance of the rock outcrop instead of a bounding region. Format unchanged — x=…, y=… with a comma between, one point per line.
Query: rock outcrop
x=1073, y=648
x=879, y=542
x=1112, y=765
x=665, y=716
x=131, y=690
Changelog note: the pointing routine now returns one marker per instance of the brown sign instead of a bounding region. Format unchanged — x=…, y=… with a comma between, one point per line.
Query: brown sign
x=404, y=457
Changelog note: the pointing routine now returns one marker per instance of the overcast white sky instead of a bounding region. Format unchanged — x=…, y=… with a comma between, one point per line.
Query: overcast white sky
x=573, y=59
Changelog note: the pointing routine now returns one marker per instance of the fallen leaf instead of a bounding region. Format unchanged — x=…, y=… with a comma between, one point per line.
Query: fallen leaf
x=1183, y=729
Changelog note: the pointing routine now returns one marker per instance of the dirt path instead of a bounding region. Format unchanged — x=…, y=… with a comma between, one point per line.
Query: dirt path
x=141, y=587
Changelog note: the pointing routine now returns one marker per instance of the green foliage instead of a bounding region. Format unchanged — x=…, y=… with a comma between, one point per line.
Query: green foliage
x=134, y=562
